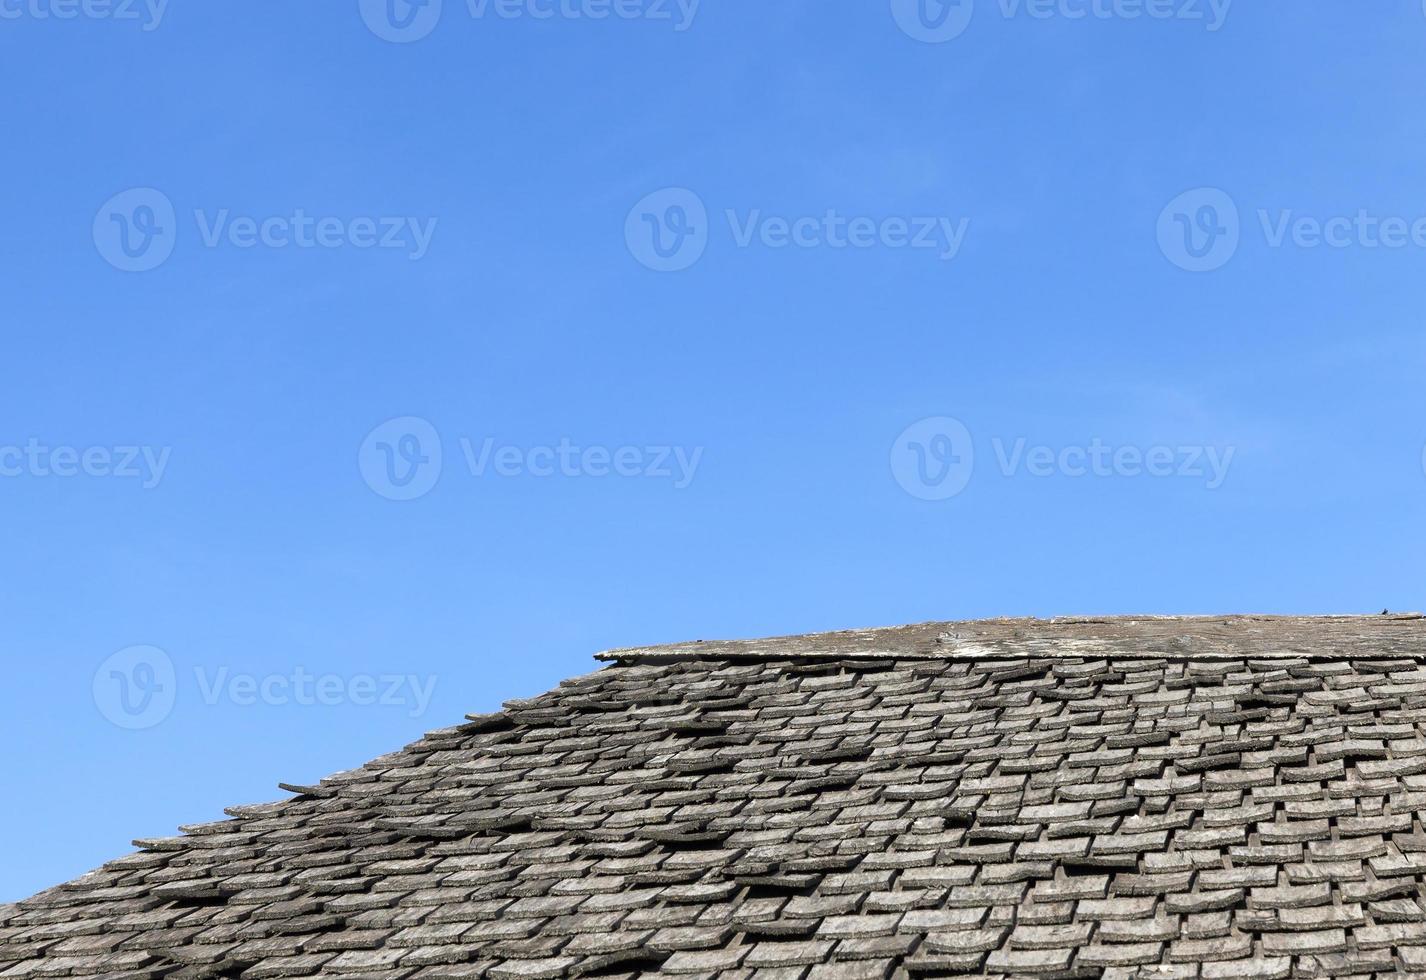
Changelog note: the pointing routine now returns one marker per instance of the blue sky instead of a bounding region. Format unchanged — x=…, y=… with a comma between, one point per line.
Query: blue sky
x=368, y=366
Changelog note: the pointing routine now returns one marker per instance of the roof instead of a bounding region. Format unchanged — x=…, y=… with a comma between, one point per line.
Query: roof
x=1217, y=798
x=1399, y=634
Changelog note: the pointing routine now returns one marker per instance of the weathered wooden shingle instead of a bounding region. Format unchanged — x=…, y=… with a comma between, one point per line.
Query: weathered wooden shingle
x=1231, y=798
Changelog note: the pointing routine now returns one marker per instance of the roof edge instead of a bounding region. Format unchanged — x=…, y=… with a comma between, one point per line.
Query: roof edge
x=1324, y=637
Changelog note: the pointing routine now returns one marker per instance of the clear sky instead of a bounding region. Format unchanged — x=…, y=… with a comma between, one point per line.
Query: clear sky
x=370, y=364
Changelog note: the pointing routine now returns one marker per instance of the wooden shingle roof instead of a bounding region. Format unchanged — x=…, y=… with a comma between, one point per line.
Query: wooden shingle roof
x=1216, y=798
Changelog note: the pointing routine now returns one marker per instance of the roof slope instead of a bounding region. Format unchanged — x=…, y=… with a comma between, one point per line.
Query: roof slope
x=1157, y=798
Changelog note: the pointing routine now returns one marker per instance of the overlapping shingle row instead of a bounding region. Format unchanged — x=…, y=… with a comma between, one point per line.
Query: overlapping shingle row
x=837, y=817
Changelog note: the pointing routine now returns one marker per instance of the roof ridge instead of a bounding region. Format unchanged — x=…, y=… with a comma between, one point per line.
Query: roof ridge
x=1329, y=636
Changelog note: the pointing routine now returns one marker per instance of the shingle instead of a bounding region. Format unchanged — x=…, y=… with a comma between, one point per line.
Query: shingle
x=1386, y=936
x=880, y=947
x=871, y=969
x=1254, y=968
x=705, y=961
x=1263, y=876
x=1297, y=943
x=941, y=920
x=1396, y=910
x=1204, y=901
x=1066, y=936
x=1160, y=929
x=788, y=954
x=1292, y=896
x=1358, y=849
x=1122, y=954
x=1029, y=962
x=1235, y=946
x=1166, y=798
x=1320, y=917
x=533, y=969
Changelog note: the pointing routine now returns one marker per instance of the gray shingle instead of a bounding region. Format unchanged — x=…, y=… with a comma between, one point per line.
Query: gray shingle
x=1207, y=798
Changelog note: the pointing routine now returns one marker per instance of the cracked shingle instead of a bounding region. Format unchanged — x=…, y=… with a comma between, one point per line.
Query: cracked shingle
x=1230, y=799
